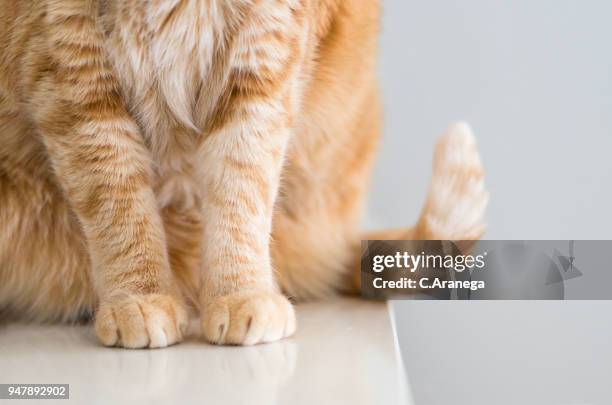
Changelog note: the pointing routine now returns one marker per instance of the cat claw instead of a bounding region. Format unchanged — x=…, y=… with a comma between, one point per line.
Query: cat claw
x=248, y=318
x=141, y=321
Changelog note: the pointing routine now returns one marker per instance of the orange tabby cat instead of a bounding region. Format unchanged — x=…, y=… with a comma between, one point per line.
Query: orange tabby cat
x=142, y=146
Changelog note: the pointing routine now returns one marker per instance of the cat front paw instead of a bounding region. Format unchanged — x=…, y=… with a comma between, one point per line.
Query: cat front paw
x=141, y=321
x=248, y=318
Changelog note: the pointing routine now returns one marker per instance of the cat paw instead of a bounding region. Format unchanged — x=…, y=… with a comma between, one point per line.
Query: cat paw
x=141, y=321
x=457, y=197
x=248, y=318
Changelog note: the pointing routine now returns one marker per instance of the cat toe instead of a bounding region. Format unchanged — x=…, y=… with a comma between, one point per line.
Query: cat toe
x=248, y=318
x=150, y=321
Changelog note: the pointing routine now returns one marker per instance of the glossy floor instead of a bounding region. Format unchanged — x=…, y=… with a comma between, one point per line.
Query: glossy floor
x=344, y=352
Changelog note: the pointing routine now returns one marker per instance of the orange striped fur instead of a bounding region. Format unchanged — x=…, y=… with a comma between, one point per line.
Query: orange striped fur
x=160, y=155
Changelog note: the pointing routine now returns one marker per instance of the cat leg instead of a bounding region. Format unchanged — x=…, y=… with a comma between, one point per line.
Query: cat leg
x=242, y=159
x=240, y=301
x=103, y=167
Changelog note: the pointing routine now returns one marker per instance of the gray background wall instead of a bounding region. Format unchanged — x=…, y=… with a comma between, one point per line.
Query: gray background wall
x=534, y=79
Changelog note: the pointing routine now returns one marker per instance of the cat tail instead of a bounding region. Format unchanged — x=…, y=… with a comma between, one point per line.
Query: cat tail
x=457, y=198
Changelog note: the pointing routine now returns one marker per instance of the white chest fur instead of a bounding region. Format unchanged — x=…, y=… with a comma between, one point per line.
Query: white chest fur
x=164, y=52
x=175, y=55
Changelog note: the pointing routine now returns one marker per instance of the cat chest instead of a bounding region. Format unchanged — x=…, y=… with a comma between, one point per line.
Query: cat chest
x=177, y=61
x=172, y=81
